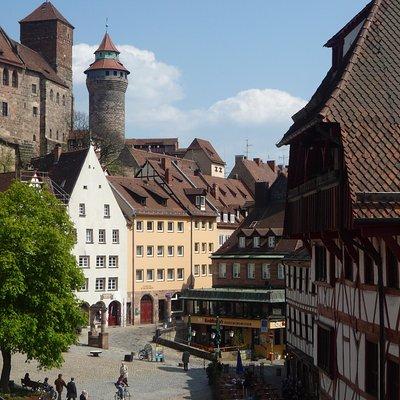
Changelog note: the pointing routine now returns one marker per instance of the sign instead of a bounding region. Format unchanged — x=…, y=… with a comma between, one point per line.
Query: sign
x=244, y=323
x=277, y=324
x=105, y=296
x=264, y=326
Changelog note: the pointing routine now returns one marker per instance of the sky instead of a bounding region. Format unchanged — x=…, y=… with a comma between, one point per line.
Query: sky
x=223, y=70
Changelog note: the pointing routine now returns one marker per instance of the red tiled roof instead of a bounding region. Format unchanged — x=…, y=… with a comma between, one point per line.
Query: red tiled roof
x=207, y=147
x=151, y=141
x=107, y=44
x=363, y=96
x=45, y=12
x=107, y=63
x=7, y=52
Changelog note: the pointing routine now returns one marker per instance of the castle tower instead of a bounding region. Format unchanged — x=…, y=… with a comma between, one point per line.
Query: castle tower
x=107, y=81
x=46, y=31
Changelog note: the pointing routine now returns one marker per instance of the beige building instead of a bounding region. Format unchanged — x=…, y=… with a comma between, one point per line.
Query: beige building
x=172, y=235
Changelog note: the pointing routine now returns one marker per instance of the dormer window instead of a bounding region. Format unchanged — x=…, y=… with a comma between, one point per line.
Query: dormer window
x=256, y=242
x=242, y=242
x=232, y=218
x=225, y=217
x=201, y=202
x=271, y=242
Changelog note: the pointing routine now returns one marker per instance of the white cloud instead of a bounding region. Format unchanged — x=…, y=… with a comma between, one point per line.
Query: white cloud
x=155, y=88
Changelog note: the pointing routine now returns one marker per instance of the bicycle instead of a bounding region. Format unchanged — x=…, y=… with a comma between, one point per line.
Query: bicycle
x=125, y=394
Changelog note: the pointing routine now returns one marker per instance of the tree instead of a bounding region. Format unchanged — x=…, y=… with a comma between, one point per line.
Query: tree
x=81, y=121
x=39, y=310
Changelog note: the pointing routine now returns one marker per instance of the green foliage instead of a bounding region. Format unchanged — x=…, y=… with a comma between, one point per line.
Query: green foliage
x=38, y=274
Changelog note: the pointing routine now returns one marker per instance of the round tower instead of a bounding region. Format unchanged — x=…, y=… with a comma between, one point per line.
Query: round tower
x=107, y=81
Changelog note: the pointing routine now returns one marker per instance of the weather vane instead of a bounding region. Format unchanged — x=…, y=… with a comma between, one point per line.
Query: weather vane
x=107, y=24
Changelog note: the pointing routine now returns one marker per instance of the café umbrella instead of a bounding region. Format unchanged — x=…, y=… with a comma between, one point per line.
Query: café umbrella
x=239, y=364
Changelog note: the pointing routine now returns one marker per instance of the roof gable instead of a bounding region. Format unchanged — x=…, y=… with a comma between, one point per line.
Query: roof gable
x=207, y=148
x=45, y=12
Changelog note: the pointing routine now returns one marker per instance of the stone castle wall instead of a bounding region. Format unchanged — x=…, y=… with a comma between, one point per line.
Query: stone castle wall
x=107, y=105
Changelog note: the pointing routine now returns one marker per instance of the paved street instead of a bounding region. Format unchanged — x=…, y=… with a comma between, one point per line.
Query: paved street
x=147, y=380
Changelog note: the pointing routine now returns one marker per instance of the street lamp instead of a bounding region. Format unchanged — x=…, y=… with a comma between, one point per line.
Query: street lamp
x=231, y=333
x=216, y=336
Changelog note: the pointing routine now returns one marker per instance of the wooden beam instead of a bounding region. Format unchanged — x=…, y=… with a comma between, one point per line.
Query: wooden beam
x=393, y=245
x=348, y=243
x=370, y=250
x=333, y=247
x=307, y=245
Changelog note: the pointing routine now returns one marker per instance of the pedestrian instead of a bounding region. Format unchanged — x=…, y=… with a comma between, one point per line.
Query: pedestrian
x=185, y=359
x=71, y=390
x=84, y=395
x=60, y=385
x=123, y=371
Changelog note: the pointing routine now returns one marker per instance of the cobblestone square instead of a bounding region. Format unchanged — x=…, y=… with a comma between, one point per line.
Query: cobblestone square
x=147, y=380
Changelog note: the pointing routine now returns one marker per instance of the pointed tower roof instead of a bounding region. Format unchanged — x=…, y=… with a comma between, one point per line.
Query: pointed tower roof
x=45, y=12
x=107, y=44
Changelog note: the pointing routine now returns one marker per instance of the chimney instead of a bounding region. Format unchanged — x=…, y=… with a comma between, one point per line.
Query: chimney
x=57, y=153
x=239, y=158
x=214, y=190
x=271, y=164
x=236, y=176
x=258, y=161
x=166, y=166
x=261, y=194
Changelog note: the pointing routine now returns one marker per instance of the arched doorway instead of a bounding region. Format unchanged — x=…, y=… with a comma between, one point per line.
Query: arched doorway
x=114, y=313
x=146, y=310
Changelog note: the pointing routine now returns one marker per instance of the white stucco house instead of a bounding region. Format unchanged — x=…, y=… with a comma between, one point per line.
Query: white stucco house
x=101, y=229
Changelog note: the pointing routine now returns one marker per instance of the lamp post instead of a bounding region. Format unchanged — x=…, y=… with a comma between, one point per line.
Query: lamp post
x=216, y=336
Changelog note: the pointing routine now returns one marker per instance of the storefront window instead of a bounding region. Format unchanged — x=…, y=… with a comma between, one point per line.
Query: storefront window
x=196, y=307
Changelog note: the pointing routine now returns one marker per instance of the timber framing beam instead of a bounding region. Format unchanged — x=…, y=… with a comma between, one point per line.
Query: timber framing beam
x=393, y=245
x=332, y=247
x=348, y=241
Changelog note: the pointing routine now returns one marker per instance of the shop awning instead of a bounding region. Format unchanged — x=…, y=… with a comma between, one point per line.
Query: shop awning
x=228, y=294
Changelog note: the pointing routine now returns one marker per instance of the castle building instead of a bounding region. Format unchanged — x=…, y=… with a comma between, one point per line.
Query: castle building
x=107, y=81
x=36, y=98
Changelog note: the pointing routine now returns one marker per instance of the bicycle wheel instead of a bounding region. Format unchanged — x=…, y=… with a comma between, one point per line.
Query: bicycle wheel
x=127, y=395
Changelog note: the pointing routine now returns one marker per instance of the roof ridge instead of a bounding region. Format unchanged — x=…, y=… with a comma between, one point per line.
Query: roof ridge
x=352, y=60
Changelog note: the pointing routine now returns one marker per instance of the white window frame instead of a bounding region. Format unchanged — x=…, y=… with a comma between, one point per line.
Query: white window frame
x=150, y=270
x=84, y=261
x=162, y=275
x=242, y=242
x=150, y=223
x=160, y=226
x=173, y=274
x=232, y=218
x=180, y=278
x=251, y=271
x=113, y=261
x=170, y=226
x=256, y=242
x=196, y=224
x=281, y=271
x=98, y=287
x=89, y=236
x=196, y=270
x=236, y=270
x=160, y=251
x=180, y=227
x=115, y=236
x=266, y=271
x=139, y=226
x=82, y=210
x=201, y=202
x=203, y=269
x=112, y=284
x=139, y=253
x=222, y=270
x=101, y=264
x=140, y=271
x=102, y=236
x=85, y=287
x=197, y=247
x=271, y=241
x=180, y=251
x=170, y=254
x=107, y=213
x=210, y=247
x=151, y=252
x=204, y=247
x=210, y=269
x=210, y=225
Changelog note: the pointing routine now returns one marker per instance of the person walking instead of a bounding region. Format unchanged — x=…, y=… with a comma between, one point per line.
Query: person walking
x=60, y=385
x=84, y=395
x=185, y=360
x=71, y=390
x=123, y=371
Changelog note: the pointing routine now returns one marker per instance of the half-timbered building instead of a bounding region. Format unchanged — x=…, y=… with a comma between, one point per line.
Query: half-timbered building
x=344, y=203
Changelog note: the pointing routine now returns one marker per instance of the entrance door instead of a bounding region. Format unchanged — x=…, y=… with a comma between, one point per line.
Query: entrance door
x=161, y=310
x=114, y=313
x=146, y=310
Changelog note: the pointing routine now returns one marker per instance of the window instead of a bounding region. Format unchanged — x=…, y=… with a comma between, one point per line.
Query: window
x=203, y=225
x=34, y=88
x=4, y=109
x=139, y=275
x=100, y=261
x=180, y=226
x=222, y=270
x=150, y=275
x=102, y=236
x=82, y=211
x=210, y=247
x=256, y=242
x=392, y=380
x=113, y=261
x=325, y=349
x=51, y=95
x=210, y=226
x=368, y=270
x=196, y=224
x=84, y=261
x=160, y=274
x=112, y=283
x=271, y=241
x=170, y=226
x=196, y=247
x=115, y=73
x=179, y=250
x=14, y=79
x=203, y=247
x=6, y=77
x=180, y=274
x=221, y=240
x=236, y=270
x=266, y=272
x=170, y=251
x=85, y=286
x=115, y=236
x=348, y=266
x=58, y=98
x=209, y=269
x=35, y=111
x=107, y=73
x=170, y=274
x=150, y=251
x=242, y=242
x=149, y=226
x=371, y=368
x=201, y=202
x=89, y=235
x=196, y=271
x=320, y=263
x=392, y=269
x=281, y=271
x=232, y=218
x=63, y=100
x=106, y=211
x=204, y=269
x=160, y=226
x=251, y=271
x=100, y=284
x=160, y=251
x=139, y=226
x=224, y=217
x=139, y=251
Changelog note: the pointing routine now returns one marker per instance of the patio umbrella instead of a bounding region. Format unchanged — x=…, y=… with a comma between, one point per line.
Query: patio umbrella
x=239, y=364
